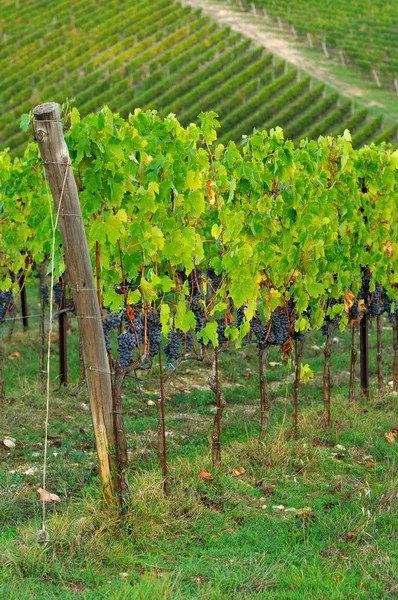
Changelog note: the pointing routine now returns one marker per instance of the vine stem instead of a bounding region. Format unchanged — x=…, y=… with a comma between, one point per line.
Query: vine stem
x=298, y=353
x=379, y=331
x=98, y=273
x=265, y=399
x=162, y=445
x=327, y=376
x=121, y=455
x=353, y=391
x=395, y=363
x=214, y=383
x=2, y=384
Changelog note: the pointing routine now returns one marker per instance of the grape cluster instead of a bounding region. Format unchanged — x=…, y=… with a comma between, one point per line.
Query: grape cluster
x=57, y=291
x=364, y=291
x=280, y=326
x=44, y=294
x=258, y=329
x=188, y=342
x=354, y=311
x=126, y=345
x=172, y=349
x=6, y=304
x=135, y=325
x=376, y=304
x=198, y=311
x=222, y=339
x=240, y=315
x=154, y=332
x=111, y=322
x=328, y=323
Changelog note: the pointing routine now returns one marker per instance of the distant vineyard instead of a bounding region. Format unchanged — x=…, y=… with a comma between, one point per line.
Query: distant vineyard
x=366, y=31
x=160, y=55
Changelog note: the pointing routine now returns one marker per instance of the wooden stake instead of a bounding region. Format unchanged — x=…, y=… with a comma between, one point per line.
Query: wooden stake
x=55, y=156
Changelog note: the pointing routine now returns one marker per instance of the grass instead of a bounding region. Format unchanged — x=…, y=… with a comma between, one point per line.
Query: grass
x=211, y=539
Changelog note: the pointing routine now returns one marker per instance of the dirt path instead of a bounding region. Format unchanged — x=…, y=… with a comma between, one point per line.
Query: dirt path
x=256, y=29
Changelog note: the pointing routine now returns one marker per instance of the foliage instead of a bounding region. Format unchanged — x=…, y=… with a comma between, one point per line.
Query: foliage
x=156, y=54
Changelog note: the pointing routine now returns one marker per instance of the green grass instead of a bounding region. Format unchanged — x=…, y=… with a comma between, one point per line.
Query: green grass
x=210, y=539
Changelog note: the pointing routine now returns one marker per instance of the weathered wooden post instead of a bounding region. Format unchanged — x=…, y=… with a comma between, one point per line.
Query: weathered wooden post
x=55, y=156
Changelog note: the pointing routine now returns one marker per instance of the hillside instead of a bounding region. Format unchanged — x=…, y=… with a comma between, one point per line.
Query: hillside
x=159, y=55
x=365, y=31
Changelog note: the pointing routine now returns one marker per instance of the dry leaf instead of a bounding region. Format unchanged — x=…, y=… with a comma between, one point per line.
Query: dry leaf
x=46, y=496
x=390, y=437
x=204, y=475
x=370, y=463
x=268, y=490
x=238, y=472
x=350, y=536
x=388, y=249
x=15, y=355
x=279, y=507
x=150, y=403
x=349, y=300
x=394, y=430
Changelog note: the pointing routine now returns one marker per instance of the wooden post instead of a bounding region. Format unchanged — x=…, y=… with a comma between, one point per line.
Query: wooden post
x=364, y=357
x=55, y=156
x=62, y=338
x=24, y=302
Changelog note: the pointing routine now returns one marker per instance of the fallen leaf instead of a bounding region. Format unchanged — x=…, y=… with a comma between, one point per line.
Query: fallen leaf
x=279, y=507
x=394, y=430
x=350, y=536
x=204, y=475
x=339, y=447
x=268, y=490
x=370, y=463
x=238, y=472
x=15, y=355
x=150, y=403
x=46, y=496
x=124, y=575
x=336, y=489
x=390, y=437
